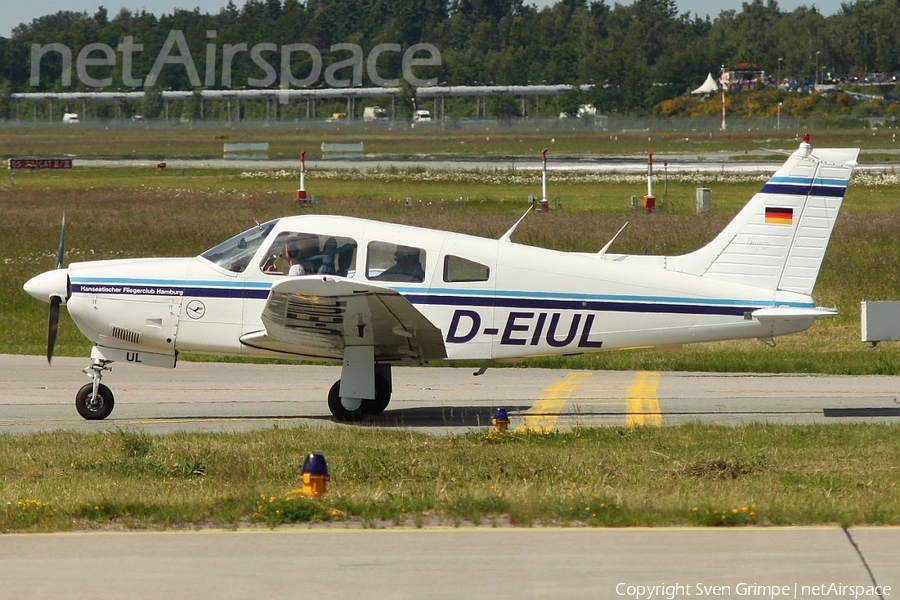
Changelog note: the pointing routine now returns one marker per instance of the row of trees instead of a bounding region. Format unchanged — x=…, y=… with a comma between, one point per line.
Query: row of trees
x=635, y=55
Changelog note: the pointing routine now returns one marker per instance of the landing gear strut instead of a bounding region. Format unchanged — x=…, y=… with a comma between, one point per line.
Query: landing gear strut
x=94, y=401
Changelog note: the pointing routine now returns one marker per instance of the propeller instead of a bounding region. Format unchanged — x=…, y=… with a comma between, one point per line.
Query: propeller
x=62, y=244
x=53, y=326
x=52, y=287
x=55, y=300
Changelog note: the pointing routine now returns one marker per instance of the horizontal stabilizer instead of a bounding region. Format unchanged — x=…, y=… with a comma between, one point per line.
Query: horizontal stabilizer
x=788, y=313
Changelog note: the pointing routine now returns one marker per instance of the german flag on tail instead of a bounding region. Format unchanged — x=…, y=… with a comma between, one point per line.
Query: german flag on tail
x=779, y=216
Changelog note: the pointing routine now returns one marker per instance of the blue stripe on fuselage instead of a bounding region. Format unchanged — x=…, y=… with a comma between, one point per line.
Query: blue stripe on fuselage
x=119, y=286
x=172, y=282
x=633, y=304
x=443, y=297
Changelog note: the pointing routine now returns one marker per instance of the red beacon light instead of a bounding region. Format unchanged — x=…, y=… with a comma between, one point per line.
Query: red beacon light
x=301, y=192
x=806, y=147
x=649, y=199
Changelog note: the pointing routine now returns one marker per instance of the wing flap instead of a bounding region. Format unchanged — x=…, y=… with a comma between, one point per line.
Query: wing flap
x=318, y=317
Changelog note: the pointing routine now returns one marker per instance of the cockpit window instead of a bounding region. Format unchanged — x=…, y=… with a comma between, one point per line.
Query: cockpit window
x=234, y=254
x=297, y=253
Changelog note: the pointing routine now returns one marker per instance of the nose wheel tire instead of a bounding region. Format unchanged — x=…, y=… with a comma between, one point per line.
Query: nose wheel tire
x=94, y=408
x=350, y=410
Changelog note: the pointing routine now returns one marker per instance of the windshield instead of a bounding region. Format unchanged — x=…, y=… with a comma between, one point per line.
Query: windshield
x=234, y=254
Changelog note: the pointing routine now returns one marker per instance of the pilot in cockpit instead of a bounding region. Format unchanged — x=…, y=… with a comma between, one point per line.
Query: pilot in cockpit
x=286, y=257
x=291, y=254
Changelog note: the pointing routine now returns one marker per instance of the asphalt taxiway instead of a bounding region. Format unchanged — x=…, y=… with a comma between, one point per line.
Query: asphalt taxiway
x=199, y=396
x=699, y=162
x=471, y=563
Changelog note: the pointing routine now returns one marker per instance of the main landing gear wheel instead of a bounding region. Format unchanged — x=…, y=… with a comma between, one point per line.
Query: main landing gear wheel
x=94, y=408
x=350, y=410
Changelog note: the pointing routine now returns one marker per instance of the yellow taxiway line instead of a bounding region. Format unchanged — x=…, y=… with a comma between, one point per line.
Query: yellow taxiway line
x=641, y=403
x=544, y=414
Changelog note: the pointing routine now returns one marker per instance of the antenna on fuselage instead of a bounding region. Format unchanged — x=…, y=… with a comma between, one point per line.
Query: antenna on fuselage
x=610, y=242
x=505, y=237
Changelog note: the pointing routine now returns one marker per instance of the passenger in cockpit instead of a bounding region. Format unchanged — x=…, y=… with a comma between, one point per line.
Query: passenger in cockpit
x=327, y=257
x=407, y=266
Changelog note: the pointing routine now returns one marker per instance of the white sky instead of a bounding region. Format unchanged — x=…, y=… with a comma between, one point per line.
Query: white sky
x=15, y=13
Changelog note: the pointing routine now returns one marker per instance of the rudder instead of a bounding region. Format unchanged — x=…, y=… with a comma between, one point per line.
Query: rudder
x=778, y=240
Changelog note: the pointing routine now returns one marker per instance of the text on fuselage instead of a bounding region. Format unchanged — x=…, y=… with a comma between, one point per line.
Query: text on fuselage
x=556, y=329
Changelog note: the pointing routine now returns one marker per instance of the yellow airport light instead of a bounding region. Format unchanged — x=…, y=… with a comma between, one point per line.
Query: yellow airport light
x=314, y=475
x=500, y=420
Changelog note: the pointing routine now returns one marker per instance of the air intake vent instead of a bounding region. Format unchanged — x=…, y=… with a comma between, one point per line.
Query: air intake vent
x=126, y=335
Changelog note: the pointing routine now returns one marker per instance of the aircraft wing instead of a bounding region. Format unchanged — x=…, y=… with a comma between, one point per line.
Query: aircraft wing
x=318, y=317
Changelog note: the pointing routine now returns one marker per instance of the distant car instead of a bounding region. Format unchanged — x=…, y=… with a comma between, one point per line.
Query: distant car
x=802, y=86
x=70, y=118
x=421, y=115
x=373, y=113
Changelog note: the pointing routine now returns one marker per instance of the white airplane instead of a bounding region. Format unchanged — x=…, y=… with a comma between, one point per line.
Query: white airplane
x=373, y=294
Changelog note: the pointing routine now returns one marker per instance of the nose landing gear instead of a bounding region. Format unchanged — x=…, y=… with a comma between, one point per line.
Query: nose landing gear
x=95, y=401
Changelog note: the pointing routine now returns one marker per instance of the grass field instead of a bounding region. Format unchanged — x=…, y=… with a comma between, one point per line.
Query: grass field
x=692, y=475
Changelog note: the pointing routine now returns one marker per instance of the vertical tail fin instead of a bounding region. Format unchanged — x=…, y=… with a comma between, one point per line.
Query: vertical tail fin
x=778, y=240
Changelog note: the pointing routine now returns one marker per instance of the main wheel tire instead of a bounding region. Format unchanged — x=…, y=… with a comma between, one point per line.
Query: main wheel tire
x=347, y=410
x=382, y=397
x=94, y=409
x=351, y=410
